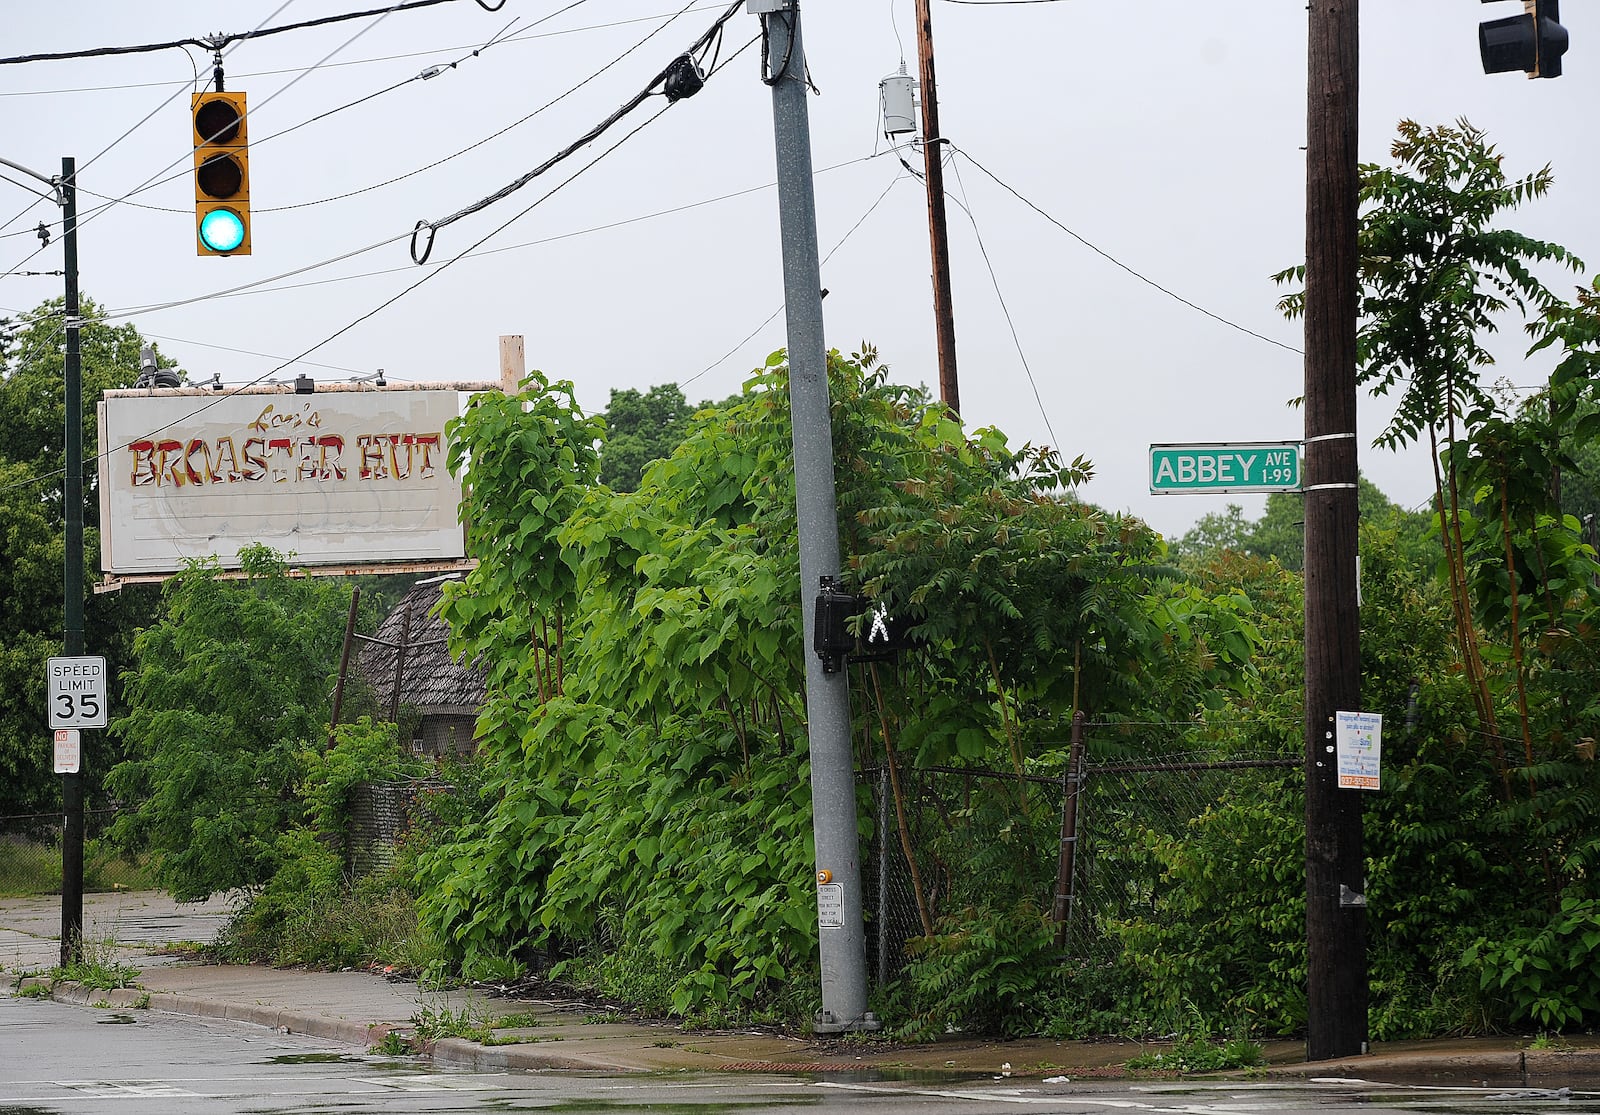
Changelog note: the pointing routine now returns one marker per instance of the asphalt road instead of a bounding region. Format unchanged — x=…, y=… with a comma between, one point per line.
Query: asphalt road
x=57, y=1059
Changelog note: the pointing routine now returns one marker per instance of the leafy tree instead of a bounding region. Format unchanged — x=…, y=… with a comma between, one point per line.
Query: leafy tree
x=32, y=523
x=1436, y=272
x=1280, y=532
x=641, y=428
x=227, y=691
x=646, y=708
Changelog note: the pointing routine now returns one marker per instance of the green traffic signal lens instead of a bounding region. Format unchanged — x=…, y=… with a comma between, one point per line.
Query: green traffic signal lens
x=222, y=230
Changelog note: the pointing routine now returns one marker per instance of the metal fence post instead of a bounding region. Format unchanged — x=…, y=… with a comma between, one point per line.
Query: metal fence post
x=1066, y=862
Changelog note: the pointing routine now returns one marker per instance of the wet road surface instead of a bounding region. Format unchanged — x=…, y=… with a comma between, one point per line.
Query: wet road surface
x=57, y=1059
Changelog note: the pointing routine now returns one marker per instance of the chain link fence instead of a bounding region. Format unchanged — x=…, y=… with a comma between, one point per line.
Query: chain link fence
x=30, y=855
x=947, y=839
x=383, y=815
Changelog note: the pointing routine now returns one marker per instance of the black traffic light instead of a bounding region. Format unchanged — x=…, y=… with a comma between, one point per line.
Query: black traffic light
x=1533, y=42
x=221, y=174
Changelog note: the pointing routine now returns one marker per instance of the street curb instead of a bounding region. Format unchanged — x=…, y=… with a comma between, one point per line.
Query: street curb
x=1499, y=1068
x=362, y=1034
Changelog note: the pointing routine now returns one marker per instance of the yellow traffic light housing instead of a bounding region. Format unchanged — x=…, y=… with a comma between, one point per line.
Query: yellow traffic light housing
x=221, y=174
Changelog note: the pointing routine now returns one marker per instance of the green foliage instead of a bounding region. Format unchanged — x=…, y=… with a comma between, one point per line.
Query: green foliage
x=311, y=914
x=1190, y=1056
x=228, y=693
x=1280, y=532
x=430, y=1023
x=364, y=751
x=393, y=1044
x=32, y=529
x=640, y=428
x=98, y=974
x=981, y=972
x=1221, y=936
x=1545, y=972
x=648, y=812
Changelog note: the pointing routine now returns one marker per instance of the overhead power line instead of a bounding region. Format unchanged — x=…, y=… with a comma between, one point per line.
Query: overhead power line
x=519, y=37
x=699, y=46
x=217, y=42
x=154, y=179
x=1108, y=257
x=426, y=277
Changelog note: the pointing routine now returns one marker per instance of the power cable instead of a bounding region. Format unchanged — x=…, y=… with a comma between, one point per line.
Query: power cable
x=153, y=179
x=176, y=93
x=1006, y=310
x=621, y=223
x=496, y=135
x=1114, y=260
x=424, y=75
x=522, y=36
x=594, y=133
x=248, y=352
x=769, y=318
x=429, y=275
x=217, y=42
x=245, y=287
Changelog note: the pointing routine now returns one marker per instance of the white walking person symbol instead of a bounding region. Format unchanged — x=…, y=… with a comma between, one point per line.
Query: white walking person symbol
x=880, y=624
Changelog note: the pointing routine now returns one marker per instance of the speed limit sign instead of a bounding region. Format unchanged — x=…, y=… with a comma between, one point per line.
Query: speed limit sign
x=78, y=692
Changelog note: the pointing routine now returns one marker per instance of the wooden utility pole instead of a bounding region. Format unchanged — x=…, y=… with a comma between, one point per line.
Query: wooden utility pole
x=943, y=308
x=1336, y=922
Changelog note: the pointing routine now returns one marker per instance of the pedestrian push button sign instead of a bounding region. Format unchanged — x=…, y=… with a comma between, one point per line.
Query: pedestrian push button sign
x=77, y=688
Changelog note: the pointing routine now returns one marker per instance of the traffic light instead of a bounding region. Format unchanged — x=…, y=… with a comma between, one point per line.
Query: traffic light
x=221, y=174
x=1533, y=42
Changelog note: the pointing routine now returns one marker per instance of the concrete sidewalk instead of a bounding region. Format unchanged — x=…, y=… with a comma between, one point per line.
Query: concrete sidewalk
x=360, y=1008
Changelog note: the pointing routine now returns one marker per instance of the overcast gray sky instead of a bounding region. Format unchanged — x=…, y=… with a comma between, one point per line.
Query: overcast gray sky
x=1167, y=133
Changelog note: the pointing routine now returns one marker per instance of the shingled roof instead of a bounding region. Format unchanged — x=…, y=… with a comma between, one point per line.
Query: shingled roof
x=431, y=680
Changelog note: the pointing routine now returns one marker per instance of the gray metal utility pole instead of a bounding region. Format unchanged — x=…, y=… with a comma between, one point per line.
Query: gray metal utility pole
x=944, y=313
x=1336, y=923
x=833, y=790
x=72, y=572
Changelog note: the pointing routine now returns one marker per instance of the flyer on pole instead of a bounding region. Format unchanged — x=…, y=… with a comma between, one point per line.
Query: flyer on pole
x=1358, y=737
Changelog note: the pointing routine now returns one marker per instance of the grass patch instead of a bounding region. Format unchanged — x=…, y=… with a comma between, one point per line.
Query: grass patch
x=393, y=1044
x=433, y=1023
x=31, y=867
x=97, y=975
x=1200, y=1054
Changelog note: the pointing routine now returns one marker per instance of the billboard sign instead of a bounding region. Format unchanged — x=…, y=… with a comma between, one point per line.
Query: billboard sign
x=336, y=477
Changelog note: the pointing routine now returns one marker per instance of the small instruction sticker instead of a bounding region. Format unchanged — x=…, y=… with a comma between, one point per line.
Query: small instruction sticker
x=830, y=905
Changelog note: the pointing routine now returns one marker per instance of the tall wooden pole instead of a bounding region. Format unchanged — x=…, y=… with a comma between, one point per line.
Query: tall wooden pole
x=1335, y=902
x=944, y=313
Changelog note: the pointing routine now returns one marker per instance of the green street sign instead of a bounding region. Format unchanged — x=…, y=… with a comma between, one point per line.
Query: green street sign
x=1252, y=466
